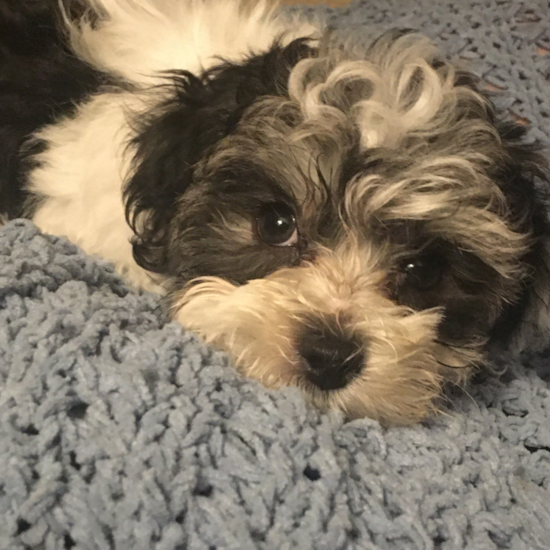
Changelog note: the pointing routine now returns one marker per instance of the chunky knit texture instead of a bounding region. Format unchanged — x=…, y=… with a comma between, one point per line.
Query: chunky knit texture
x=121, y=431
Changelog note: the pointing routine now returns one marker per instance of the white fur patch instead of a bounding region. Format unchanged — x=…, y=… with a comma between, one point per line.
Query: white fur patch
x=139, y=39
x=80, y=182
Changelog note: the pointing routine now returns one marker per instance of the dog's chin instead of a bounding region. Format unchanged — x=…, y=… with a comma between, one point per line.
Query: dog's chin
x=403, y=366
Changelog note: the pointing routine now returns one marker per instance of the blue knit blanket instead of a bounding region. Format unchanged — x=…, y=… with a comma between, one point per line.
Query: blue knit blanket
x=120, y=430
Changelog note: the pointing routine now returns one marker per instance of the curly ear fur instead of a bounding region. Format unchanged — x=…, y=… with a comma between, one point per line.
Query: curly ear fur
x=200, y=112
x=523, y=177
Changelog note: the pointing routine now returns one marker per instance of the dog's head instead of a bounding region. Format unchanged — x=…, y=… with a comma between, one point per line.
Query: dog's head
x=361, y=227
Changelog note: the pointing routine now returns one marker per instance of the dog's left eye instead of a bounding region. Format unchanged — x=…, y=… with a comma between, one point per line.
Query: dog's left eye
x=276, y=225
x=425, y=271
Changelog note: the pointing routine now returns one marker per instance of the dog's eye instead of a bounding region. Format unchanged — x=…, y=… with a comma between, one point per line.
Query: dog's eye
x=276, y=225
x=425, y=271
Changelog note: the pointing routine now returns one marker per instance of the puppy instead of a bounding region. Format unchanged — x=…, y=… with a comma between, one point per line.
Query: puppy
x=362, y=225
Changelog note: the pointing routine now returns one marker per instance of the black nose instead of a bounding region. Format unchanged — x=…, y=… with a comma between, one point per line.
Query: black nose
x=331, y=359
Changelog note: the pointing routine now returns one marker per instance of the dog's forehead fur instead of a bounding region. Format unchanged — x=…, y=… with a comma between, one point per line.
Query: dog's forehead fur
x=390, y=140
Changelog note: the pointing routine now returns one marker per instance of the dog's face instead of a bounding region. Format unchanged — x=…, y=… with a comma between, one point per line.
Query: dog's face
x=360, y=227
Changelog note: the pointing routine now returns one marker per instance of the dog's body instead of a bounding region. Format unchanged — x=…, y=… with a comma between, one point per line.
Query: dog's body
x=363, y=226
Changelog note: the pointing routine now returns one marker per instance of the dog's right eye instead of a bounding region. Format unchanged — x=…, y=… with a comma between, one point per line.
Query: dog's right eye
x=276, y=225
x=424, y=272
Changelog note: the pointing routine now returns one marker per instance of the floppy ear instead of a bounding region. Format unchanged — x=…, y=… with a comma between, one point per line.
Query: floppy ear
x=523, y=177
x=199, y=113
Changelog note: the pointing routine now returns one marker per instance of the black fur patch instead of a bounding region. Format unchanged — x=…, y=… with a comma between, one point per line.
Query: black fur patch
x=525, y=181
x=40, y=81
x=201, y=244
x=203, y=110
